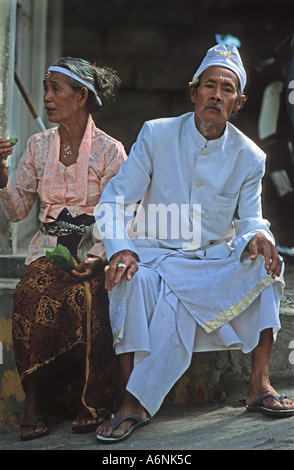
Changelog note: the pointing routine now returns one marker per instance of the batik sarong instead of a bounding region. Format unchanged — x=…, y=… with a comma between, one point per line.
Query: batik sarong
x=53, y=316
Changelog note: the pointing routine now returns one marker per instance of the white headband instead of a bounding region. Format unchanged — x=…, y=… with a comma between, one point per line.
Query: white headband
x=89, y=85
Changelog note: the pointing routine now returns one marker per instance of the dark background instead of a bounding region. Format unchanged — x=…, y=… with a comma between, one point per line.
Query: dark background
x=157, y=45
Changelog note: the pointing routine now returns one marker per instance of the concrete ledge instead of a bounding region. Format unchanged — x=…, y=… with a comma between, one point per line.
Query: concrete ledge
x=11, y=266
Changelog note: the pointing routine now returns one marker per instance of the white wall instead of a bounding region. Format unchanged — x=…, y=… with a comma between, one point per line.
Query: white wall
x=33, y=42
x=7, y=42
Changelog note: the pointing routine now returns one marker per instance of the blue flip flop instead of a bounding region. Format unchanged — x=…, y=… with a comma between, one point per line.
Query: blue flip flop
x=258, y=407
x=138, y=424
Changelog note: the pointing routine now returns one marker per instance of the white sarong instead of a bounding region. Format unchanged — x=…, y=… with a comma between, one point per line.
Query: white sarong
x=176, y=305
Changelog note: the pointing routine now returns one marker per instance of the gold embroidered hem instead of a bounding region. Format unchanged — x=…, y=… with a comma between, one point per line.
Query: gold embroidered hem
x=117, y=335
x=88, y=347
x=59, y=320
x=227, y=315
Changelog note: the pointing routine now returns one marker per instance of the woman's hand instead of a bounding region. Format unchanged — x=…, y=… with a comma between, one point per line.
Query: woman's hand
x=5, y=150
x=86, y=269
x=123, y=262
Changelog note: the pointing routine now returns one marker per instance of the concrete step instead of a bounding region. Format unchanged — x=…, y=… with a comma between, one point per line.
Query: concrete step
x=11, y=266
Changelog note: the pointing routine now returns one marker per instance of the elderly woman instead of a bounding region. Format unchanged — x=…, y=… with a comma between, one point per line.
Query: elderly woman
x=60, y=318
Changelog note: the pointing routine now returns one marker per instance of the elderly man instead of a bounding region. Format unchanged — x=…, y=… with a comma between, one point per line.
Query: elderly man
x=196, y=269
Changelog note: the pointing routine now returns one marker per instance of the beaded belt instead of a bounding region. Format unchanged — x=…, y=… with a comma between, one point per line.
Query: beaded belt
x=60, y=228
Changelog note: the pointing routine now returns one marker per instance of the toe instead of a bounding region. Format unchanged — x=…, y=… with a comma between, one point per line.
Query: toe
x=104, y=429
x=123, y=428
x=287, y=404
x=272, y=404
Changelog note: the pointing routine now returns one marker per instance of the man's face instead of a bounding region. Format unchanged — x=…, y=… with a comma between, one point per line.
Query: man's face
x=216, y=97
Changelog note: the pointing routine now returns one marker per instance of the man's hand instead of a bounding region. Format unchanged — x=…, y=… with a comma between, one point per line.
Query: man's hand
x=122, y=262
x=260, y=245
x=86, y=269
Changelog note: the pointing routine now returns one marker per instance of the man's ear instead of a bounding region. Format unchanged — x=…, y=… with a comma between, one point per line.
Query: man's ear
x=193, y=93
x=239, y=103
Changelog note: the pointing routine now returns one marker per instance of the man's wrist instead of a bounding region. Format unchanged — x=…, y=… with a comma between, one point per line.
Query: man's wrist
x=130, y=252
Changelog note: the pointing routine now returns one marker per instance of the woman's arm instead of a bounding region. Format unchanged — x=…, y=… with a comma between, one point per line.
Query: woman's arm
x=17, y=197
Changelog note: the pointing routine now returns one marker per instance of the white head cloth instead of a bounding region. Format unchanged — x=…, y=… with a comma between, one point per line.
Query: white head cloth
x=223, y=56
x=55, y=68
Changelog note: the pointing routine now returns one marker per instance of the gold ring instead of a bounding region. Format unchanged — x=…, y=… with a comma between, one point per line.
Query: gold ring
x=106, y=268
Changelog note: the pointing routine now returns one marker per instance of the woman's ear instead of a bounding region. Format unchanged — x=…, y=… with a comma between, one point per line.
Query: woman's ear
x=84, y=93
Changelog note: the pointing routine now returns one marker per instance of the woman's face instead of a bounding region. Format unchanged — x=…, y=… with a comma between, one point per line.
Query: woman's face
x=61, y=102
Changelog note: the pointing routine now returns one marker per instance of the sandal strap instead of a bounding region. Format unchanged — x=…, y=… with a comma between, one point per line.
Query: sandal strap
x=281, y=397
x=115, y=425
x=34, y=424
x=266, y=395
x=84, y=414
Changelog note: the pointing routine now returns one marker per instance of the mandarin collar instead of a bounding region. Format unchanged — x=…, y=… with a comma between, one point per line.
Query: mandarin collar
x=201, y=140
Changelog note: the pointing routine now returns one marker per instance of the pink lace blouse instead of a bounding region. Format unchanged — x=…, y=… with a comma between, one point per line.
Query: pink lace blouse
x=77, y=187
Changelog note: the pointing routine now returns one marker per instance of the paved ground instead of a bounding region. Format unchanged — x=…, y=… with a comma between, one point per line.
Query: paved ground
x=177, y=430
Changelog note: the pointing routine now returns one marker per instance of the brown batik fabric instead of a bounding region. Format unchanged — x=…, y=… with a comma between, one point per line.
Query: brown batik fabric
x=54, y=315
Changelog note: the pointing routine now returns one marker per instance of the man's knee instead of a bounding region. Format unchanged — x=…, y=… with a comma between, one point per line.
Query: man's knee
x=144, y=277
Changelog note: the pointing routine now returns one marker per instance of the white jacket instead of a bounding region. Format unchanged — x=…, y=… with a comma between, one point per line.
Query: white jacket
x=173, y=170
